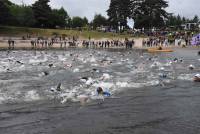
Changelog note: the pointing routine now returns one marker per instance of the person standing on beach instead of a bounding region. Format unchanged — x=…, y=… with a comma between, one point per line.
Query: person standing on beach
x=61, y=44
x=108, y=43
x=42, y=43
x=35, y=44
x=13, y=44
x=133, y=43
x=32, y=44
x=38, y=42
x=65, y=44
x=9, y=44
x=45, y=43
x=126, y=43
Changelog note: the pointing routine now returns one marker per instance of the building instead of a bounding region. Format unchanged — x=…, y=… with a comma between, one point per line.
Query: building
x=190, y=26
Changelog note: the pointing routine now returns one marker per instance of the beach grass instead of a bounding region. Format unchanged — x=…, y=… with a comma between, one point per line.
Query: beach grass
x=36, y=32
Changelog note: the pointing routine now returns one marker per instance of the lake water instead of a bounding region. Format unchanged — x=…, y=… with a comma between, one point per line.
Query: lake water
x=151, y=93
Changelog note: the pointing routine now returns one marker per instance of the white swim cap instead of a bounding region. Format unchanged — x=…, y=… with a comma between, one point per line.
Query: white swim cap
x=197, y=75
x=191, y=66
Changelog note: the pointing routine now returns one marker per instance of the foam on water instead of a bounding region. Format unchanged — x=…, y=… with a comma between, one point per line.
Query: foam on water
x=187, y=77
x=32, y=96
x=92, y=59
x=114, y=72
x=76, y=70
x=122, y=84
x=36, y=60
x=105, y=85
x=106, y=76
x=61, y=58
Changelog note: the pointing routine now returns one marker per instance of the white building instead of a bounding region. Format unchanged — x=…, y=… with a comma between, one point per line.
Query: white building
x=190, y=26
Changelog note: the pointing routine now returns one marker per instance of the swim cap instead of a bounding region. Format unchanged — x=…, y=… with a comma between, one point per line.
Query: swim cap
x=197, y=75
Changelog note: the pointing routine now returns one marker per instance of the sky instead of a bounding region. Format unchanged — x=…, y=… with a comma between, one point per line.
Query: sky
x=89, y=8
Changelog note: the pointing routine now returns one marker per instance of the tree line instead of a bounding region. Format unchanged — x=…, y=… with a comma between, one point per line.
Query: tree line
x=39, y=14
x=145, y=13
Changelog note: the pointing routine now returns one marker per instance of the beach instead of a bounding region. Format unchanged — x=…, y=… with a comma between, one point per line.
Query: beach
x=26, y=44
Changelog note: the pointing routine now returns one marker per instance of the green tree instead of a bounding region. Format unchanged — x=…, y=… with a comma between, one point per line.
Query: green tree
x=43, y=13
x=23, y=15
x=178, y=21
x=4, y=12
x=69, y=22
x=85, y=21
x=195, y=19
x=184, y=20
x=99, y=20
x=112, y=12
x=77, y=22
x=118, y=12
x=7, y=2
x=60, y=17
x=149, y=13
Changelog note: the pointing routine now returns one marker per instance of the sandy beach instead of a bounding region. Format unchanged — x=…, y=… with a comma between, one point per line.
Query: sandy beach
x=26, y=45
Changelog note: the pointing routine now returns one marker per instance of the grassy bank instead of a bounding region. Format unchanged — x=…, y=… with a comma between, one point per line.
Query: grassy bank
x=23, y=31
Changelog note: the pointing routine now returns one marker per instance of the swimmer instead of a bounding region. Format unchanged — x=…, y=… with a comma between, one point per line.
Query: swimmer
x=175, y=59
x=50, y=65
x=95, y=70
x=19, y=62
x=103, y=93
x=58, y=87
x=46, y=73
x=197, y=78
x=191, y=67
x=66, y=65
x=84, y=79
x=162, y=75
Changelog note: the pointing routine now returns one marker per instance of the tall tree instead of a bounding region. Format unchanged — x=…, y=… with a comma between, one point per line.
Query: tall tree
x=195, y=19
x=119, y=11
x=150, y=13
x=4, y=12
x=60, y=17
x=184, y=20
x=85, y=21
x=77, y=22
x=178, y=20
x=99, y=20
x=7, y=2
x=43, y=13
x=113, y=14
x=22, y=15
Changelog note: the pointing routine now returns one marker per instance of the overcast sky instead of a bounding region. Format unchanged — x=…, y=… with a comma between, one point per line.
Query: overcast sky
x=88, y=8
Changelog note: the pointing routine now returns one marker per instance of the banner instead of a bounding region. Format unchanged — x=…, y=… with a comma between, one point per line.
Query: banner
x=196, y=40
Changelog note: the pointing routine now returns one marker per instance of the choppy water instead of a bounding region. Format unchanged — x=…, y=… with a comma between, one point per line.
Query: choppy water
x=142, y=101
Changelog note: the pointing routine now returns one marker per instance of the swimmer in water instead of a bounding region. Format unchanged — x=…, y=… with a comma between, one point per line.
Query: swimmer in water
x=197, y=78
x=191, y=67
x=58, y=87
x=103, y=93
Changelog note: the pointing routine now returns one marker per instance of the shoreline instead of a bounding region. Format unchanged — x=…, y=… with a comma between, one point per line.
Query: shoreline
x=174, y=49
x=26, y=45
